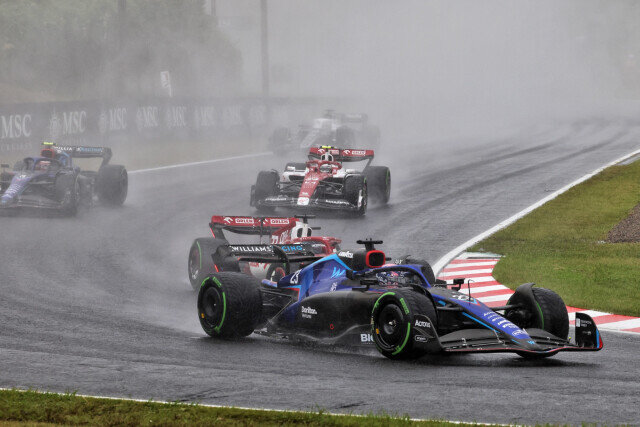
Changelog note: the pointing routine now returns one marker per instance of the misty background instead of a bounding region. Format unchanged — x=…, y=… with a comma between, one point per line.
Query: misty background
x=421, y=69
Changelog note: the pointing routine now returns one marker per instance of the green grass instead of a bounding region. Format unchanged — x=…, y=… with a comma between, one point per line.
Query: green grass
x=32, y=407
x=561, y=245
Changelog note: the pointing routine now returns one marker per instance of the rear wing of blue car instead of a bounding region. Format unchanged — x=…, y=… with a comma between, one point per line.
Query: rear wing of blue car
x=286, y=254
x=86, y=152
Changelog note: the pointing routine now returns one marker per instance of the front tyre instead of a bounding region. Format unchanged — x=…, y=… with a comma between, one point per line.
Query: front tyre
x=229, y=305
x=355, y=192
x=67, y=191
x=546, y=310
x=393, y=318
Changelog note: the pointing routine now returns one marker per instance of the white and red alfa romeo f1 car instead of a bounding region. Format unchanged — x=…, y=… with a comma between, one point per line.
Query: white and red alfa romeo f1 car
x=324, y=182
x=291, y=235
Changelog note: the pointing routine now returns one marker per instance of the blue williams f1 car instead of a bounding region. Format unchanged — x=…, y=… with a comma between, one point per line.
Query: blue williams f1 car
x=52, y=181
x=356, y=298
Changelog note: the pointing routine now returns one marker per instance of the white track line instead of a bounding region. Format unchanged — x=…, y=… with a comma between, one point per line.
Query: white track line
x=204, y=162
x=454, y=252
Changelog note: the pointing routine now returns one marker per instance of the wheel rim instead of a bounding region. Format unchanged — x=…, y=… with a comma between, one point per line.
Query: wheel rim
x=212, y=305
x=391, y=325
x=194, y=263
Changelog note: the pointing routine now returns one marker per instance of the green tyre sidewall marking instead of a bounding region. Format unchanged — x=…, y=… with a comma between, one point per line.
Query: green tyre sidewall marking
x=404, y=306
x=404, y=343
x=541, y=315
x=224, y=301
x=375, y=306
x=408, y=334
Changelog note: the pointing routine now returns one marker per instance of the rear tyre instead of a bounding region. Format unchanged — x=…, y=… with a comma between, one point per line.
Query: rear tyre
x=548, y=313
x=392, y=318
x=266, y=186
x=229, y=305
x=355, y=192
x=279, y=139
x=67, y=192
x=112, y=184
x=200, y=263
x=379, y=183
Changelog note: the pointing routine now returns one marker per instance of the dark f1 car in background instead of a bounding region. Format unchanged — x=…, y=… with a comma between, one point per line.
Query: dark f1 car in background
x=214, y=254
x=323, y=182
x=354, y=298
x=345, y=130
x=52, y=180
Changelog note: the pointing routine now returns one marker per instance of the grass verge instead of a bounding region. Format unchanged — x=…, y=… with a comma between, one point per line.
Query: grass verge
x=561, y=245
x=49, y=408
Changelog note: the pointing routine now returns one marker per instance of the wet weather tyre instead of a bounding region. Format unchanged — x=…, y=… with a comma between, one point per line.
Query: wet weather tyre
x=355, y=192
x=67, y=191
x=200, y=263
x=266, y=186
x=112, y=184
x=279, y=140
x=229, y=305
x=392, y=319
x=551, y=309
x=378, y=183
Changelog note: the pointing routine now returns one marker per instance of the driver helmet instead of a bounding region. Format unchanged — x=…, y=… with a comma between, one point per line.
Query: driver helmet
x=42, y=165
x=48, y=153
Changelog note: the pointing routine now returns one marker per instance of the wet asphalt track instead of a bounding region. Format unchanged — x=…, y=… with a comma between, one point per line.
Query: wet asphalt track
x=100, y=304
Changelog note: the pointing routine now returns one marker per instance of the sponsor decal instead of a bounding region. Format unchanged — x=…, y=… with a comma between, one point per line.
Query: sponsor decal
x=294, y=279
x=345, y=254
x=577, y=322
x=334, y=286
x=113, y=119
x=278, y=221
x=147, y=117
x=336, y=202
x=504, y=324
x=292, y=248
x=15, y=126
x=355, y=152
x=337, y=272
x=204, y=117
x=228, y=219
x=244, y=220
x=231, y=116
x=277, y=198
x=307, y=312
x=366, y=338
x=251, y=248
x=421, y=338
x=303, y=201
x=69, y=123
x=422, y=323
x=175, y=117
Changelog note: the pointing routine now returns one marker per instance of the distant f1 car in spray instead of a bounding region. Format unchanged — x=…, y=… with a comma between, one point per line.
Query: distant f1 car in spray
x=214, y=254
x=52, y=181
x=345, y=130
x=356, y=298
x=324, y=182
